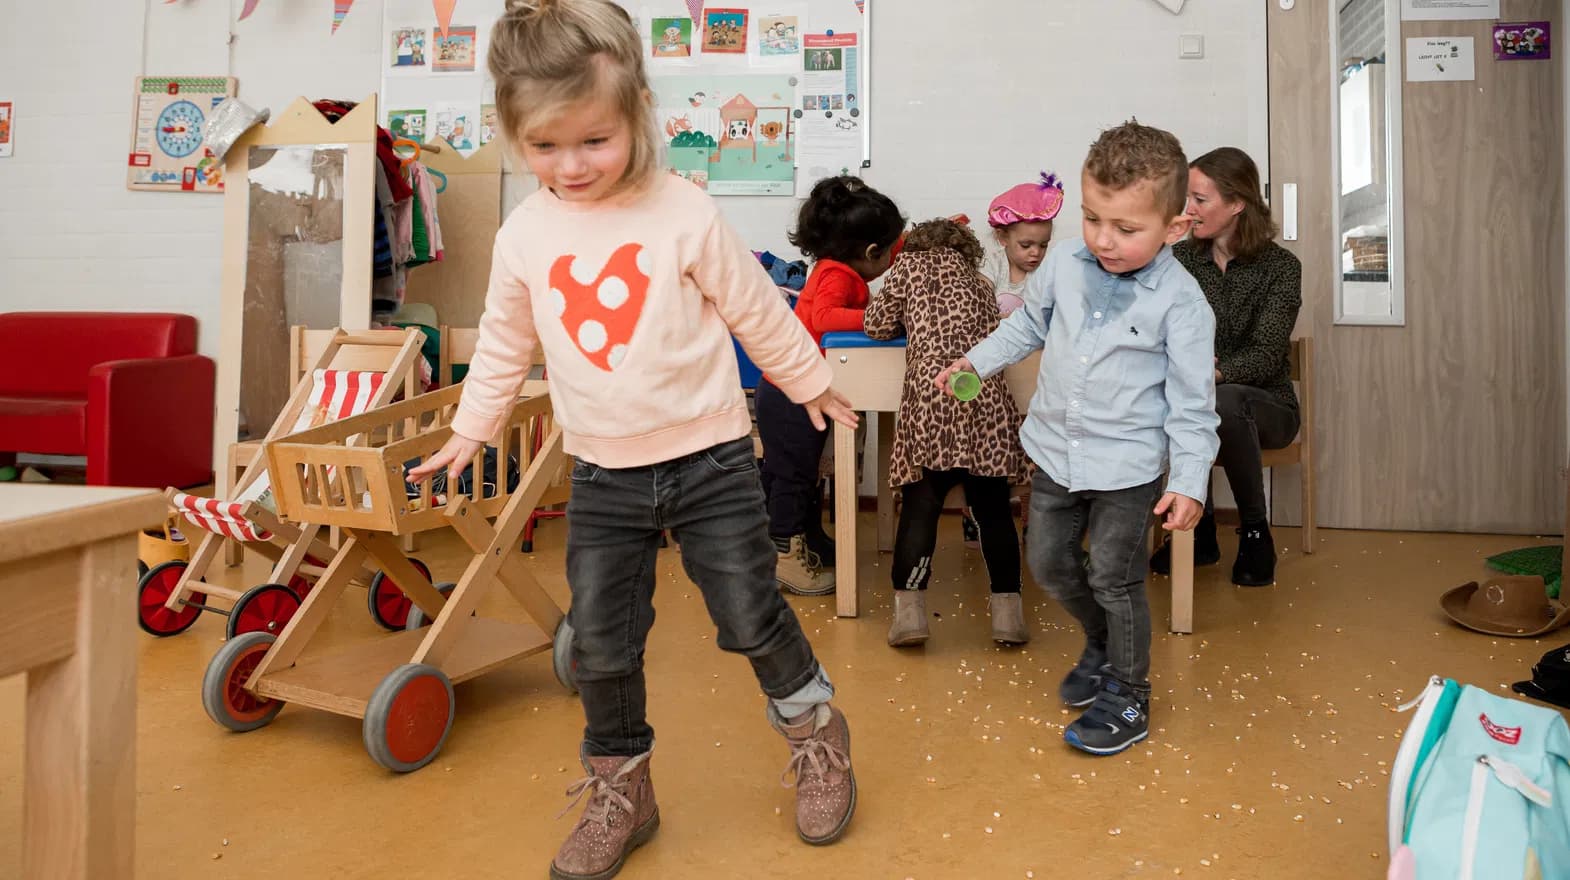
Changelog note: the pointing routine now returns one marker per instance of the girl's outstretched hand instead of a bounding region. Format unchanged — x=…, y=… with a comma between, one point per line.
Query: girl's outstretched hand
x=963, y=365
x=454, y=455
x=833, y=404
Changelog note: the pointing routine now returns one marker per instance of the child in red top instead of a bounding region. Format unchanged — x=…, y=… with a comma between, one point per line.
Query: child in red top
x=852, y=232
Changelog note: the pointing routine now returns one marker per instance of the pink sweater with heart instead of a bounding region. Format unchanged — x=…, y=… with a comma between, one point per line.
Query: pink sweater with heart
x=633, y=300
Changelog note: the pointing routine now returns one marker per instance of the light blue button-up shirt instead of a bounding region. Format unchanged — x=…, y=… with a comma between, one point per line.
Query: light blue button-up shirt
x=1127, y=372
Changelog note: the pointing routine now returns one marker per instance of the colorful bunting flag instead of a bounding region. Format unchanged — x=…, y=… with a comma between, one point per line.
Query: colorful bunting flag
x=696, y=8
x=248, y=8
x=444, y=10
x=340, y=9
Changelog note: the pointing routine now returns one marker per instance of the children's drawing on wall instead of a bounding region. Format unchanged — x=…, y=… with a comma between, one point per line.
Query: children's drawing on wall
x=779, y=35
x=407, y=124
x=1521, y=41
x=456, y=51
x=672, y=37
x=489, y=123
x=457, y=125
x=408, y=47
x=5, y=128
x=732, y=134
x=725, y=31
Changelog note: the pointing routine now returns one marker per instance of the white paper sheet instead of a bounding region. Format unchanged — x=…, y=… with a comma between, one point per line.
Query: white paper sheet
x=1448, y=10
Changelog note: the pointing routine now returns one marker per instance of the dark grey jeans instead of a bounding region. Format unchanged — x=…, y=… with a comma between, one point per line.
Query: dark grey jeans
x=713, y=503
x=1108, y=599
x=1251, y=419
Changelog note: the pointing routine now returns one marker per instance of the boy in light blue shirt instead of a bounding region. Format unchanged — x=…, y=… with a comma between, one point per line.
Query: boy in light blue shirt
x=1126, y=392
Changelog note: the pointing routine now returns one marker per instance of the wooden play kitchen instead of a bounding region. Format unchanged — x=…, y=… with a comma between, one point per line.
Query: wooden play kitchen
x=350, y=474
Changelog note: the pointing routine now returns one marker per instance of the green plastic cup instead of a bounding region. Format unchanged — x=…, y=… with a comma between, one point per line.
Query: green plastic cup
x=965, y=385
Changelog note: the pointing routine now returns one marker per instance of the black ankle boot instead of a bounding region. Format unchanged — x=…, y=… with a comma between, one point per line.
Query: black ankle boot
x=1256, y=557
x=1207, y=551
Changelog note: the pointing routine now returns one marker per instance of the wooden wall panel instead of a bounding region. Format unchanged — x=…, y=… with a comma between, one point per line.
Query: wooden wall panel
x=1455, y=422
x=470, y=213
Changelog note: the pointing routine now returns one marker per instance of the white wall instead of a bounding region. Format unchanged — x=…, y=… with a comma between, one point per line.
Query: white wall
x=960, y=110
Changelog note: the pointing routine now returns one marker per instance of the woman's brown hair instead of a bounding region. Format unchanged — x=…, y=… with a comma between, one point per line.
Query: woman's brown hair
x=1237, y=180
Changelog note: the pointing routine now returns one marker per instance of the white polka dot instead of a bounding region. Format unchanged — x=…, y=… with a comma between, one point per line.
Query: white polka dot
x=591, y=336
x=557, y=302
x=579, y=267
x=644, y=261
x=613, y=292
x=617, y=355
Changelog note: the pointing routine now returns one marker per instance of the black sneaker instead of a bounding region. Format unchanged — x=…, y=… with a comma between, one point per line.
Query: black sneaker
x=1083, y=682
x=1256, y=557
x=1116, y=720
x=1207, y=550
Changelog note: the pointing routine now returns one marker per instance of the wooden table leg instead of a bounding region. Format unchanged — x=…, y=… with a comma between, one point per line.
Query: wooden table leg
x=885, y=492
x=1183, y=581
x=79, y=797
x=845, y=497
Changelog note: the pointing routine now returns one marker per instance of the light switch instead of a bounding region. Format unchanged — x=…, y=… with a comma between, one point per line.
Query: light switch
x=1191, y=46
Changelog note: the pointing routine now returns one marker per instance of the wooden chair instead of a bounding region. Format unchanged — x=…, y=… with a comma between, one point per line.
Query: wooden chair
x=1299, y=452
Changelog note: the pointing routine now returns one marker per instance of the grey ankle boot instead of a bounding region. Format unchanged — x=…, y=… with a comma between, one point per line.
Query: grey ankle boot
x=910, y=619
x=1008, y=619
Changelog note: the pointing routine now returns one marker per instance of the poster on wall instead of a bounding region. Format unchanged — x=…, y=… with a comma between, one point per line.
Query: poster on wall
x=168, y=122
x=671, y=38
x=409, y=49
x=456, y=50
x=1448, y=10
x=7, y=127
x=1440, y=59
x=830, y=120
x=730, y=134
x=776, y=38
x=725, y=31
x=434, y=83
x=1521, y=41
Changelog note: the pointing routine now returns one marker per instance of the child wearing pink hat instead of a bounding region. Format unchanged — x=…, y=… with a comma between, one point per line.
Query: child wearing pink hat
x=1021, y=221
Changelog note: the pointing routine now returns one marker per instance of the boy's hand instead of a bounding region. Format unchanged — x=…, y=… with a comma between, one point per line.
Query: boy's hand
x=1182, y=512
x=833, y=404
x=962, y=365
x=455, y=455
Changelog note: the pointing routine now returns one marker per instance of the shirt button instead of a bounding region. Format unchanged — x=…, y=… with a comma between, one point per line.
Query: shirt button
x=1084, y=360
x=1096, y=315
x=1074, y=443
x=1074, y=404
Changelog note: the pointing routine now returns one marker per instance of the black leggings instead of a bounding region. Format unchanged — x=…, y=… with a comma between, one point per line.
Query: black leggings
x=988, y=498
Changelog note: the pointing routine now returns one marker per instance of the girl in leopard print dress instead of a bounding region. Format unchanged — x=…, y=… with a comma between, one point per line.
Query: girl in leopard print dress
x=936, y=296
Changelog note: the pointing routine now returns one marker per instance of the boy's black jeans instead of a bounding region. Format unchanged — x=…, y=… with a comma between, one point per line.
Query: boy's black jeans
x=713, y=503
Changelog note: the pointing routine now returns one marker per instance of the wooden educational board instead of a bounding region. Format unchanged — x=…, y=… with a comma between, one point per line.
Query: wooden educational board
x=469, y=211
x=168, y=122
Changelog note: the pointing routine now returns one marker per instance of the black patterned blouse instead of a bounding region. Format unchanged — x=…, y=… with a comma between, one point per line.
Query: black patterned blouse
x=1256, y=302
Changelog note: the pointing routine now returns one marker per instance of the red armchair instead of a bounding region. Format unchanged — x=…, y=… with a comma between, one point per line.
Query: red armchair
x=125, y=389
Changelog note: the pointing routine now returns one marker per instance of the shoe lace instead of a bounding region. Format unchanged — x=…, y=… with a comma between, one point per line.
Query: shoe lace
x=810, y=760
x=605, y=797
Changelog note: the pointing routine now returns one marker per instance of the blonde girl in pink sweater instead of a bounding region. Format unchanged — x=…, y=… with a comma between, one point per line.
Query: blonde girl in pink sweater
x=633, y=284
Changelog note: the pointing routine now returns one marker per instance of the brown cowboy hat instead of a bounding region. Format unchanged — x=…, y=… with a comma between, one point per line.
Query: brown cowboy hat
x=1515, y=606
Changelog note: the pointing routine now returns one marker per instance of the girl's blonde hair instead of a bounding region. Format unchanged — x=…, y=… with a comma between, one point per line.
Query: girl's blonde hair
x=547, y=55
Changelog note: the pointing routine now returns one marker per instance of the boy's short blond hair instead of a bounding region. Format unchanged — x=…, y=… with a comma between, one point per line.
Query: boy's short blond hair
x=1132, y=153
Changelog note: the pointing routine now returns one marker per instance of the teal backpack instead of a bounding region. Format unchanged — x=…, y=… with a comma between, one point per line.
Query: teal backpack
x=1480, y=789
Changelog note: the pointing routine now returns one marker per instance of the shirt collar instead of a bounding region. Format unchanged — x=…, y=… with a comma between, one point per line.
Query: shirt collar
x=1148, y=276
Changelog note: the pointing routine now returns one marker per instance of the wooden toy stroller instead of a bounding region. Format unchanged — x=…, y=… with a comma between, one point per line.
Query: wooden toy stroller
x=356, y=371
x=400, y=684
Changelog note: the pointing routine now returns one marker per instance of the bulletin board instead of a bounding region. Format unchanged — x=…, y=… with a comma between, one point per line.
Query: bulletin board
x=168, y=122
x=753, y=98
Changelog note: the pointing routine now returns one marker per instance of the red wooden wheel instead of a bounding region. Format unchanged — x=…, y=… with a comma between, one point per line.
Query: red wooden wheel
x=266, y=608
x=153, y=590
x=389, y=606
x=408, y=717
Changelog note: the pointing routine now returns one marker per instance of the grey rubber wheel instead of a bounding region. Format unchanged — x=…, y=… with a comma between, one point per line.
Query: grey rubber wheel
x=561, y=657
x=223, y=684
x=417, y=616
x=409, y=717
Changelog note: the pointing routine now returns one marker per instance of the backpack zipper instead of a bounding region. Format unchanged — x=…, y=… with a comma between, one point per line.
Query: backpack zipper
x=1512, y=777
x=1406, y=758
x=1472, y=824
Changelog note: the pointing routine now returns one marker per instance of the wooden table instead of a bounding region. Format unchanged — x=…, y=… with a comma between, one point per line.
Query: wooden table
x=871, y=374
x=68, y=584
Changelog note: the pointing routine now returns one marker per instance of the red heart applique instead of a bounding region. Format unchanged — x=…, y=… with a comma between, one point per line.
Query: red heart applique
x=600, y=316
